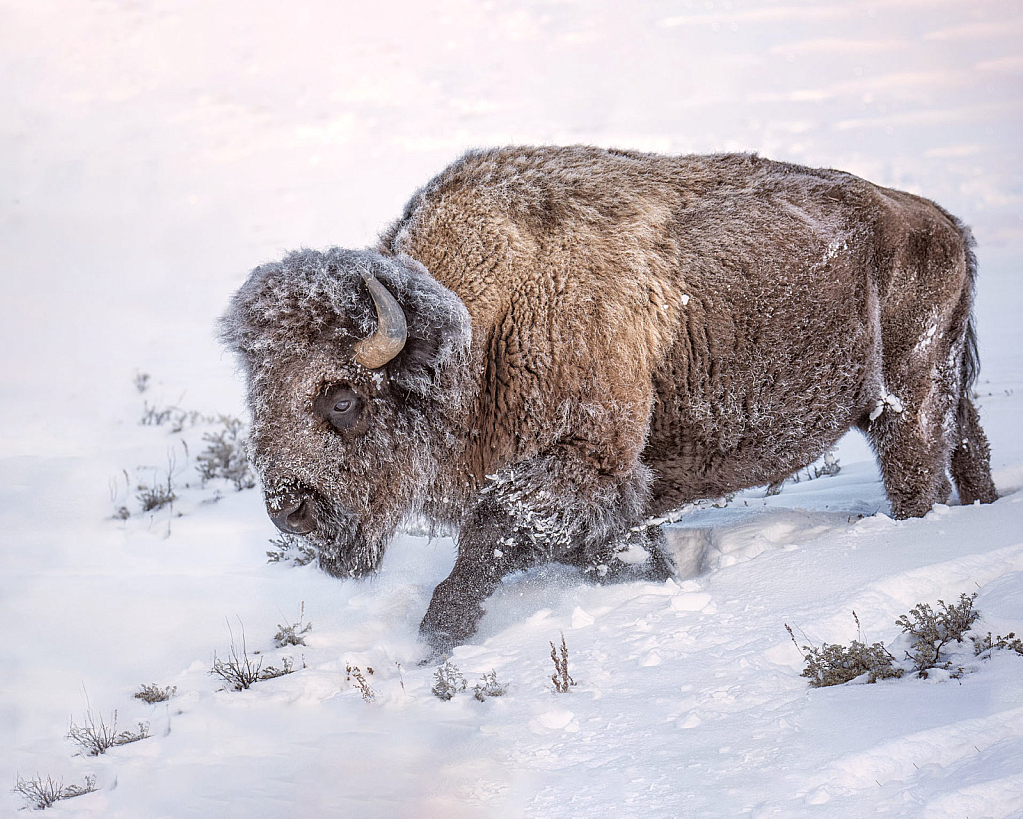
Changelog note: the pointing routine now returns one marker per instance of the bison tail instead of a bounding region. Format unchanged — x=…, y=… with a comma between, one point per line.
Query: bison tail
x=971, y=453
x=971, y=358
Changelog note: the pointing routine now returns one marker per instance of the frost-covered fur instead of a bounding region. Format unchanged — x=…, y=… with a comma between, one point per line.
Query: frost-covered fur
x=645, y=331
x=294, y=324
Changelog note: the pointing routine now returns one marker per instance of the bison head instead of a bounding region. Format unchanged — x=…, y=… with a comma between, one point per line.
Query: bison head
x=354, y=363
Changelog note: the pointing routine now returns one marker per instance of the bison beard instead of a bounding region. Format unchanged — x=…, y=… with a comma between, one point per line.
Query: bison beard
x=552, y=344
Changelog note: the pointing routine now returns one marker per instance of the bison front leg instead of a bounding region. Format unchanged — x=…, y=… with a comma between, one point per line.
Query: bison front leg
x=487, y=550
x=559, y=506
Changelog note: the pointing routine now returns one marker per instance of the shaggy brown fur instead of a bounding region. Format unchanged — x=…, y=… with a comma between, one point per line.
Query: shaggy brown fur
x=598, y=336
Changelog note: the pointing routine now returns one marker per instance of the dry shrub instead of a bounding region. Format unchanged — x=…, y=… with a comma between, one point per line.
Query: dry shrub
x=95, y=737
x=42, y=793
x=561, y=678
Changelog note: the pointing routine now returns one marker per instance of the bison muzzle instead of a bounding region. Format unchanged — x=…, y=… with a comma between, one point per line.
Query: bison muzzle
x=552, y=345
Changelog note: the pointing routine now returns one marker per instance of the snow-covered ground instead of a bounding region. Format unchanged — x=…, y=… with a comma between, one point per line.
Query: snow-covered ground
x=151, y=153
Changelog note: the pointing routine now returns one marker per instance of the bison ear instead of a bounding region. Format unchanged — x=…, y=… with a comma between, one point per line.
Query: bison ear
x=421, y=356
x=439, y=330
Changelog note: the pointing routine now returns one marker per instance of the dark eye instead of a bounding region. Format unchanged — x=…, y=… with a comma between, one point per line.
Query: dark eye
x=341, y=407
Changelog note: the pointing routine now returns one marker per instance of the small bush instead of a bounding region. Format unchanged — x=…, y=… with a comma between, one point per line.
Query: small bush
x=829, y=467
x=930, y=631
x=182, y=418
x=488, y=686
x=290, y=548
x=176, y=417
x=241, y=671
x=271, y=672
x=95, y=737
x=42, y=793
x=152, y=693
x=224, y=456
x=354, y=674
x=292, y=635
x=834, y=664
x=155, y=496
x=141, y=381
x=154, y=416
x=985, y=645
x=448, y=681
x=561, y=678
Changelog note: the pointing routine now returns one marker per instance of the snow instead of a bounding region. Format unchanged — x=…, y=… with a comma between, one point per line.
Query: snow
x=886, y=401
x=154, y=153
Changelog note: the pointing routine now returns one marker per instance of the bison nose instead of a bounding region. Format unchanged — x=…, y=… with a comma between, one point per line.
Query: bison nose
x=296, y=515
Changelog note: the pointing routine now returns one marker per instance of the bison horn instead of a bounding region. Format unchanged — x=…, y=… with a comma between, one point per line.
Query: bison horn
x=391, y=333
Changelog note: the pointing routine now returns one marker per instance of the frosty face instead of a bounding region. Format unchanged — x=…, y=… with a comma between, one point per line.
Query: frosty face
x=345, y=451
x=342, y=457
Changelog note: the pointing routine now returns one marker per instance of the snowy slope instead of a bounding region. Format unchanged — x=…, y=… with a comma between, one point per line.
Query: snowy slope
x=154, y=152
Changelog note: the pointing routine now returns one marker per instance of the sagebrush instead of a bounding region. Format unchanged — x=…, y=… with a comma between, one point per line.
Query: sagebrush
x=94, y=736
x=224, y=456
x=561, y=678
x=152, y=693
x=829, y=467
x=290, y=549
x=156, y=495
x=447, y=681
x=988, y=644
x=355, y=675
x=930, y=631
x=242, y=671
x=43, y=793
x=177, y=418
x=488, y=686
x=291, y=635
x=834, y=664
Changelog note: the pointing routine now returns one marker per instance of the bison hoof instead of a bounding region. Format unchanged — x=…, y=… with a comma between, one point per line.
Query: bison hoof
x=440, y=644
x=444, y=628
x=436, y=655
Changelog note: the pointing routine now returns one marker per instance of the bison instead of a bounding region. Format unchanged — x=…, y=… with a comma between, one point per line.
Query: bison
x=553, y=344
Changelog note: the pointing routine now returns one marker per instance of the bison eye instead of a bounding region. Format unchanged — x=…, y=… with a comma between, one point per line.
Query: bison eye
x=340, y=406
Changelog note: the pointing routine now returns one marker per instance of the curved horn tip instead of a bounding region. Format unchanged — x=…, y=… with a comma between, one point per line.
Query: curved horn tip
x=391, y=334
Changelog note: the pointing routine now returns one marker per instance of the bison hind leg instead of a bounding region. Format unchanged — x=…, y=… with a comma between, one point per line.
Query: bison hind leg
x=971, y=457
x=640, y=555
x=907, y=434
x=913, y=481
x=937, y=431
